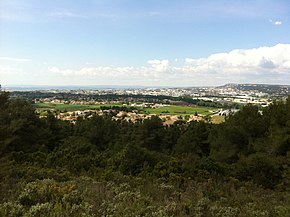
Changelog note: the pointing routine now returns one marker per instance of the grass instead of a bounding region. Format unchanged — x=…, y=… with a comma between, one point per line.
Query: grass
x=217, y=119
x=169, y=110
x=61, y=107
x=179, y=110
x=69, y=107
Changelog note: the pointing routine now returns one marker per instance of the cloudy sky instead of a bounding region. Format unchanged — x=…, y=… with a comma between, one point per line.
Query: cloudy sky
x=148, y=43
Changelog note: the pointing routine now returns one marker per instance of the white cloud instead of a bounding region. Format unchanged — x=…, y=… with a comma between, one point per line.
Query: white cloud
x=264, y=64
x=156, y=69
x=129, y=75
x=14, y=59
x=63, y=13
x=275, y=59
x=159, y=65
x=276, y=22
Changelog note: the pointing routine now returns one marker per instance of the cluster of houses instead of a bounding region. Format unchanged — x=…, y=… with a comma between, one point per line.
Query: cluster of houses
x=127, y=116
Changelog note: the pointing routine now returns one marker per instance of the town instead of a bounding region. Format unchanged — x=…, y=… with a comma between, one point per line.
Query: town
x=135, y=104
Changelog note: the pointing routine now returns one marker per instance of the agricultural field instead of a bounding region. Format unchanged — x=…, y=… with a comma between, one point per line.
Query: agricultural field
x=69, y=107
x=166, y=110
x=180, y=110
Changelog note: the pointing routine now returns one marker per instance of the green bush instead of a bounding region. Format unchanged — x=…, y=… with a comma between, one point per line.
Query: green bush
x=11, y=209
x=48, y=198
x=262, y=169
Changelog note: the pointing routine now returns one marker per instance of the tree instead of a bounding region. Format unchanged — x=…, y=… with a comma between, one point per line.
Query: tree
x=236, y=136
x=262, y=169
x=100, y=130
x=21, y=128
x=194, y=140
x=57, y=130
x=151, y=133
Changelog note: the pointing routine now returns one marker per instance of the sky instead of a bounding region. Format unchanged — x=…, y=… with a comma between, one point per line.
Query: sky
x=147, y=43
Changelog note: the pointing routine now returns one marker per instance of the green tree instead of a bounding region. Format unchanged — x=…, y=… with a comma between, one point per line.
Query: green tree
x=21, y=128
x=194, y=140
x=236, y=136
x=100, y=130
x=262, y=169
x=151, y=133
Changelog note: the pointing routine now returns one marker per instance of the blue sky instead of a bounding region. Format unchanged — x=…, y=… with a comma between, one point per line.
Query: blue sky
x=150, y=42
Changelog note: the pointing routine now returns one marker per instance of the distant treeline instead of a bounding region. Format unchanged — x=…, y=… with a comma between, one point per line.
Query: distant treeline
x=119, y=108
x=186, y=100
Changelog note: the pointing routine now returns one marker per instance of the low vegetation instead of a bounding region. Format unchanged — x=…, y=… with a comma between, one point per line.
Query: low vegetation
x=102, y=167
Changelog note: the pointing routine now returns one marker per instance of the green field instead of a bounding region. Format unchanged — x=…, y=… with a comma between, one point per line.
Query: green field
x=179, y=110
x=68, y=107
x=169, y=110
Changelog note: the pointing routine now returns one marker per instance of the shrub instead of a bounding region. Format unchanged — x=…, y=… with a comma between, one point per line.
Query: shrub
x=262, y=169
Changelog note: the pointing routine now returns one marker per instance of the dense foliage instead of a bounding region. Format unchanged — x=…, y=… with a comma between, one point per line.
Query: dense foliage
x=102, y=167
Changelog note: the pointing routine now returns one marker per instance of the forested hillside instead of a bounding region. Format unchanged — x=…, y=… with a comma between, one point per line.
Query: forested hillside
x=102, y=167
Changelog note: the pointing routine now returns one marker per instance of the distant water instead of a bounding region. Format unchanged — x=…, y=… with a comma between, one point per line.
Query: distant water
x=84, y=87
x=48, y=87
